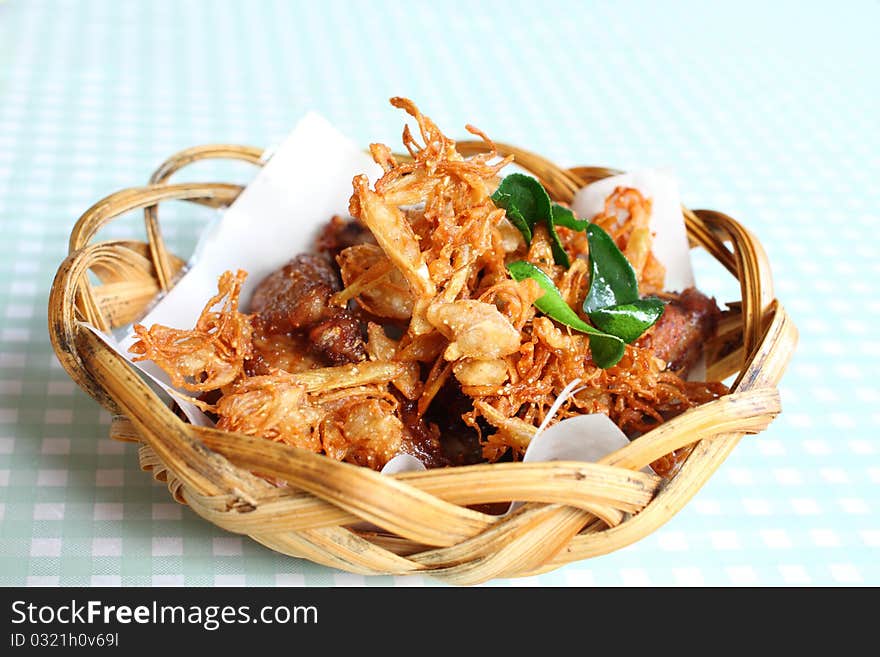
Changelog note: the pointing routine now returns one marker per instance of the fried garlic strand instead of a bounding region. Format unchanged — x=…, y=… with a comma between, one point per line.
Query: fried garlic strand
x=212, y=354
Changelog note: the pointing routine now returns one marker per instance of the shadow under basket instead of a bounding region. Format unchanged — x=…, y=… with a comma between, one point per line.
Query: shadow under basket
x=358, y=520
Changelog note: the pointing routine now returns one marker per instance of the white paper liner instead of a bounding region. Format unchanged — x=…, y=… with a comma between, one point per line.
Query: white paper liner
x=403, y=463
x=588, y=437
x=306, y=180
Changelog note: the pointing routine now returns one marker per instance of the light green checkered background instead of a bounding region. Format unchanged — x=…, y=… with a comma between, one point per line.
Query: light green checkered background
x=768, y=111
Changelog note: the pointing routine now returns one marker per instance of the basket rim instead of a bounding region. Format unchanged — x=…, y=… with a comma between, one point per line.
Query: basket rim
x=201, y=471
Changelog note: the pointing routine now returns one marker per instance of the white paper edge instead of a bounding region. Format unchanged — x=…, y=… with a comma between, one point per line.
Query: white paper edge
x=259, y=209
x=403, y=463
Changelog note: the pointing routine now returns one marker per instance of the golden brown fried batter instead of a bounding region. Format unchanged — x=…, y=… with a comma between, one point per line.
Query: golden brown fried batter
x=374, y=282
x=363, y=431
x=358, y=424
x=273, y=406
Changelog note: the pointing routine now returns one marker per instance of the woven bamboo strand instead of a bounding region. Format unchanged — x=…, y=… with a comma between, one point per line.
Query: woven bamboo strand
x=162, y=260
x=571, y=483
x=190, y=461
x=340, y=548
x=544, y=540
x=753, y=407
x=136, y=198
x=353, y=549
x=560, y=183
x=149, y=414
x=750, y=411
x=565, y=482
x=343, y=546
x=193, y=154
x=482, y=546
x=372, y=497
x=394, y=506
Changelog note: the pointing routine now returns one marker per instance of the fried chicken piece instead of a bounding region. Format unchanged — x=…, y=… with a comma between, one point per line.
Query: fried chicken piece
x=339, y=234
x=297, y=298
x=460, y=442
x=422, y=438
x=687, y=322
x=279, y=351
x=339, y=339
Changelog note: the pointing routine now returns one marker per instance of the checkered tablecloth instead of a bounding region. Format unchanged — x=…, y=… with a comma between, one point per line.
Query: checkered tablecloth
x=767, y=111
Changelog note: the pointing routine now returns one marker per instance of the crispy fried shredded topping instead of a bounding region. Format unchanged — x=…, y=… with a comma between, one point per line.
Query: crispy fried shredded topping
x=454, y=346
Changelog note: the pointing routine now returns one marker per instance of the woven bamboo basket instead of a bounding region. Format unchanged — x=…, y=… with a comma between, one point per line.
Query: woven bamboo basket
x=358, y=520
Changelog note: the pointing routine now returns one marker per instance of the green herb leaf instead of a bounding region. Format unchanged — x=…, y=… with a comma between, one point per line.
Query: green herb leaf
x=629, y=320
x=612, y=278
x=607, y=349
x=562, y=216
x=527, y=203
x=612, y=302
x=525, y=200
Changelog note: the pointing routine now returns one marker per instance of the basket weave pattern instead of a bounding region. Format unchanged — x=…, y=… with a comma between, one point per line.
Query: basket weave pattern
x=358, y=520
